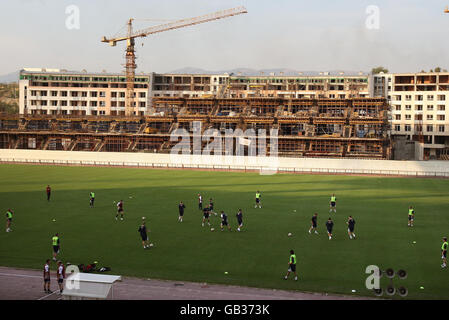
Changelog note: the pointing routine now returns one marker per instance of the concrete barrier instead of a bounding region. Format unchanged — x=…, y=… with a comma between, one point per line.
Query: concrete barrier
x=265, y=165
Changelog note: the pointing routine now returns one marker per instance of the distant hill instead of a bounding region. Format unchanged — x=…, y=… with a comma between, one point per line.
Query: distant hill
x=10, y=77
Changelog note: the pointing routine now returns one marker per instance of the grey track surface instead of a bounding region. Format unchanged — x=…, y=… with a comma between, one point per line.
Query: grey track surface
x=25, y=284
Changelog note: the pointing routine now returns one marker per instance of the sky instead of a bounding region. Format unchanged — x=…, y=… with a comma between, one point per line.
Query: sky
x=319, y=35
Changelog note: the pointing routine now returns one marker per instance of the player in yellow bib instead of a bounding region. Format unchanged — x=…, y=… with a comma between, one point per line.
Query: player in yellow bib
x=333, y=203
x=411, y=216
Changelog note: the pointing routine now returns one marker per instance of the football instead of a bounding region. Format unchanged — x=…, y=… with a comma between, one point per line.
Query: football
x=212, y=229
x=289, y=234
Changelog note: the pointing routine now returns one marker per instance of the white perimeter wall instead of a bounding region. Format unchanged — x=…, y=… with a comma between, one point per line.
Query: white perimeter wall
x=266, y=164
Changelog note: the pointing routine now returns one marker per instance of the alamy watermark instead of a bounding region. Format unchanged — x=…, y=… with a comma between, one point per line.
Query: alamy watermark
x=372, y=21
x=372, y=282
x=72, y=21
x=226, y=147
x=73, y=280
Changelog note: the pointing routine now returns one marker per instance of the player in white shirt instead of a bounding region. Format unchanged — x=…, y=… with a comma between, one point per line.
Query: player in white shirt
x=47, y=276
x=60, y=275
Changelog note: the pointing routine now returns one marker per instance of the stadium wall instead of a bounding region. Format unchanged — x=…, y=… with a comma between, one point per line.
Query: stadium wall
x=265, y=165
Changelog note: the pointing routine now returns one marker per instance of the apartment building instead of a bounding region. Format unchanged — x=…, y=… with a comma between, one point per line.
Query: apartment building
x=420, y=112
x=55, y=91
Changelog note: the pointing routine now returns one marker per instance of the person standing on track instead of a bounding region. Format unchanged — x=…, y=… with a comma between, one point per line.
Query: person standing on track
x=47, y=276
x=314, y=223
x=56, y=245
x=9, y=213
x=411, y=216
x=181, y=208
x=291, y=265
x=92, y=199
x=60, y=275
x=48, y=192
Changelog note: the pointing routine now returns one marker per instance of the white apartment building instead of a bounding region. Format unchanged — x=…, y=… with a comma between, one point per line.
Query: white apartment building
x=55, y=91
x=419, y=110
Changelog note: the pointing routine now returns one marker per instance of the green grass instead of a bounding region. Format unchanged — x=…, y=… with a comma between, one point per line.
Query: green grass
x=257, y=256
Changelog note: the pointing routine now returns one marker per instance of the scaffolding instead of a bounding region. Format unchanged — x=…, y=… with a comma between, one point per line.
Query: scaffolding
x=354, y=128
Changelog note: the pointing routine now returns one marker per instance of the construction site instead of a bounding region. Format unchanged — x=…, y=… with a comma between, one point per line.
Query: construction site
x=351, y=128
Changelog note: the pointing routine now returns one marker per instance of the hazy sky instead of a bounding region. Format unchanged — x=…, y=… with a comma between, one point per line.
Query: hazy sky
x=304, y=35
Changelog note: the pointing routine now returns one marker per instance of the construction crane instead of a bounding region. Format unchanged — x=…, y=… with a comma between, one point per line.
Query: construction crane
x=131, y=35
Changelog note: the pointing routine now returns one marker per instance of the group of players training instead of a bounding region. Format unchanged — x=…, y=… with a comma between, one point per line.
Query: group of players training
x=330, y=223
x=209, y=209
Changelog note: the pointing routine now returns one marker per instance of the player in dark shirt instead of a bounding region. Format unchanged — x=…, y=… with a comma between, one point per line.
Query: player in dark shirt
x=119, y=210
x=239, y=216
x=314, y=223
x=351, y=223
x=224, y=221
x=181, y=208
x=211, y=206
x=200, y=202
x=143, y=234
x=48, y=192
x=206, y=212
x=329, y=226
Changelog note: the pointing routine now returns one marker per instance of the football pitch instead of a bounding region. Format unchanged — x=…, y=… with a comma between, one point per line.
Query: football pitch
x=258, y=255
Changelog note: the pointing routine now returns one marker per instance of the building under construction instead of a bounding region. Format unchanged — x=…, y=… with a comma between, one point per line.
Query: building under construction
x=350, y=128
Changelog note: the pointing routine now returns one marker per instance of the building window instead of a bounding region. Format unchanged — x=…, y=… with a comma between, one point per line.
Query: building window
x=418, y=107
x=441, y=107
x=398, y=108
x=408, y=107
x=63, y=93
x=54, y=103
x=419, y=97
x=397, y=127
x=93, y=103
x=430, y=97
x=84, y=94
x=398, y=117
x=441, y=128
x=142, y=94
x=64, y=103
x=441, y=97
x=54, y=93
x=407, y=127
x=441, y=117
x=429, y=128
x=429, y=117
x=430, y=107
x=93, y=94
x=408, y=97
x=114, y=94
x=408, y=117
x=102, y=94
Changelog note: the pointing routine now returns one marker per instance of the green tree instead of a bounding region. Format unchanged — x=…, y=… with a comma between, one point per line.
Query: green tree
x=379, y=70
